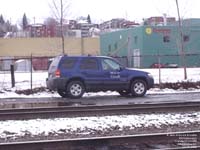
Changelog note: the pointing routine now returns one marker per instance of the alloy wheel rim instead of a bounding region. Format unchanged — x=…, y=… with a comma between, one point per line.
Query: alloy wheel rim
x=139, y=88
x=76, y=89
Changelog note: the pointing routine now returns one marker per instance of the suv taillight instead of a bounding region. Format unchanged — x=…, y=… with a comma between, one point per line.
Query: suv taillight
x=57, y=73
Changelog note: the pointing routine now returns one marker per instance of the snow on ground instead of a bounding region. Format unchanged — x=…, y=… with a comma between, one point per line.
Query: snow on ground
x=39, y=80
x=87, y=125
x=175, y=74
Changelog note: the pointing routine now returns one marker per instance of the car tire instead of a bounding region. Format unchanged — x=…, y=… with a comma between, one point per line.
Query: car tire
x=75, y=89
x=138, y=88
x=62, y=93
x=124, y=93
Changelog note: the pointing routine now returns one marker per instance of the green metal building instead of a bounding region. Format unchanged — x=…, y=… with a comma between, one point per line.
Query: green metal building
x=146, y=45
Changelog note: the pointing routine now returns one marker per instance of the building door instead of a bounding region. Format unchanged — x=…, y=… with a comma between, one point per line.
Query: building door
x=136, y=58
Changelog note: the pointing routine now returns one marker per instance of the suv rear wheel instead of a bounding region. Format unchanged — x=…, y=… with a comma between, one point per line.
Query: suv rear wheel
x=75, y=89
x=138, y=88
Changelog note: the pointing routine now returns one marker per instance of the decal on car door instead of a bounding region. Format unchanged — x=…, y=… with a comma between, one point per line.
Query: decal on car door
x=114, y=75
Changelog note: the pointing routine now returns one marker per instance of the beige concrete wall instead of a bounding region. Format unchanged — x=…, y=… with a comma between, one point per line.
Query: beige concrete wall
x=48, y=46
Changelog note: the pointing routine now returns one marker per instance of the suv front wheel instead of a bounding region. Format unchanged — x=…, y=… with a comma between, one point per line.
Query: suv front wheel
x=75, y=89
x=138, y=88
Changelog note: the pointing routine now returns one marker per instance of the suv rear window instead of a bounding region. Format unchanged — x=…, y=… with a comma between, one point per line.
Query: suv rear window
x=89, y=63
x=68, y=63
x=54, y=64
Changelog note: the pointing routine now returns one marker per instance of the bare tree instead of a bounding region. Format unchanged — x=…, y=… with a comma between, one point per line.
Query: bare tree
x=51, y=24
x=60, y=10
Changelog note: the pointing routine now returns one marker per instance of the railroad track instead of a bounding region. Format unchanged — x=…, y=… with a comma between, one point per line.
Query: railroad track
x=164, y=141
x=73, y=111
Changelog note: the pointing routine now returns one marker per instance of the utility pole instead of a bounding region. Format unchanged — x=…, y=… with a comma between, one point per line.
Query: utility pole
x=181, y=41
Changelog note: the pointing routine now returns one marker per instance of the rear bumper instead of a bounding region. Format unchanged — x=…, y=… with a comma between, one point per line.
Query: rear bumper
x=56, y=83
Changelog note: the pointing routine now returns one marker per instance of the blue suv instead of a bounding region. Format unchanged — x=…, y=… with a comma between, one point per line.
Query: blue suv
x=72, y=76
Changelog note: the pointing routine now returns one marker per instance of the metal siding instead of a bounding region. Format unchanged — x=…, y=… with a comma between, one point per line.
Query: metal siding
x=153, y=44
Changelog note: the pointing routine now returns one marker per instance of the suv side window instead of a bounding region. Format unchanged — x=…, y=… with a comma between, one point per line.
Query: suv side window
x=69, y=63
x=108, y=64
x=89, y=63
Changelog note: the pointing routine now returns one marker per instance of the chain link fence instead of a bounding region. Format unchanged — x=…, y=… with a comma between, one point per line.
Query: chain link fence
x=23, y=72
x=160, y=61
x=31, y=72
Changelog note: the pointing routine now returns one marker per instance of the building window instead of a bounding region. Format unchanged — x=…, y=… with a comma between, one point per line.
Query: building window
x=186, y=38
x=115, y=46
x=166, y=39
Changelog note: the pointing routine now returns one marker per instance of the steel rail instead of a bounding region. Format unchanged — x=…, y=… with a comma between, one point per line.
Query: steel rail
x=71, y=111
x=164, y=141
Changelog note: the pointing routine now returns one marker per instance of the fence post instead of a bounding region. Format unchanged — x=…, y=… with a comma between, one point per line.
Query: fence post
x=31, y=73
x=159, y=63
x=12, y=75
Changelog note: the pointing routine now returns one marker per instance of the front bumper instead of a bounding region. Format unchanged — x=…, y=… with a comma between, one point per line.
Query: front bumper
x=150, y=82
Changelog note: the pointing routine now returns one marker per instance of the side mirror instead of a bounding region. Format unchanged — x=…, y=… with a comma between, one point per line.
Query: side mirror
x=121, y=68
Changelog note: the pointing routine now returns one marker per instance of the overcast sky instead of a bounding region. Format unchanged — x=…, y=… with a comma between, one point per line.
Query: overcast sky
x=100, y=10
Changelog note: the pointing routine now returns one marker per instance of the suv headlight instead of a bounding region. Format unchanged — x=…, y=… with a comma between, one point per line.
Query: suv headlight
x=150, y=75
